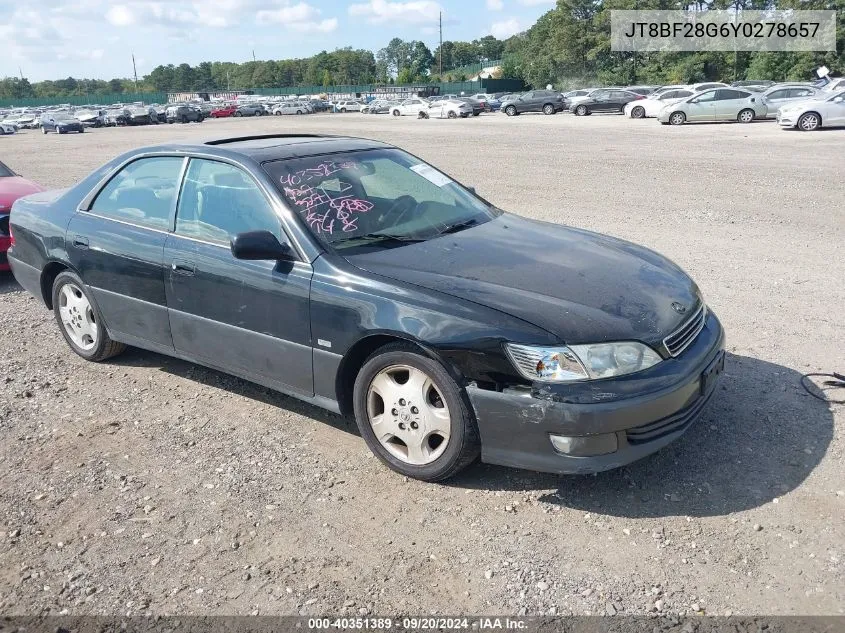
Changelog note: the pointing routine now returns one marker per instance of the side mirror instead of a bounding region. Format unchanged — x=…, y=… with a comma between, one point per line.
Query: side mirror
x=259, y=245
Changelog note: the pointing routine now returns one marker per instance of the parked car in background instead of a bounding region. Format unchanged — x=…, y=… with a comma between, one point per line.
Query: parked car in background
x=651, y=106
x=606, y=101
x=659, y=91
x=641, y=90
x=493, y=103
x=249, y=109
x=780, y=95
x=348, y=106
x=574, y=94
x=824, y=110
x=12, y=187
x=450, y=329
x=545, y=101
x=143, y=115
x=410, y=107
x=116, y=116
x=91, y=118
x=450, y=109
x=720, y=104
x=708, y=86
x=289, y=107
x=753, y=84
x=223, y=111
x=28, y=121
x=7, y=128
x=379, y=106
x=183, y=114
x=60, y=123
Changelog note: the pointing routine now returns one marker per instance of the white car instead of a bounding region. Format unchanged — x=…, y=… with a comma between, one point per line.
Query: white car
x=823, y=111
x=348, y=106
x=289, y=108
x=650, y=107
x=7, y=128
x=449, y=109
x=410, y=107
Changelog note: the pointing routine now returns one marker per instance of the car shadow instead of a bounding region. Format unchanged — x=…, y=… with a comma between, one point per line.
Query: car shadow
x=8, y=283
x=134, y=357
x=759, y=438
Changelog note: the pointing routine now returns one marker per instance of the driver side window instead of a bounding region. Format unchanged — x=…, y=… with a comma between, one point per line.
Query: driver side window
x=219, y=200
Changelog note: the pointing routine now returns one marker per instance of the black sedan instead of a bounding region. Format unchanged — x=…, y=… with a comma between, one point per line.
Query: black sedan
x=611, y=100
x=354, y=276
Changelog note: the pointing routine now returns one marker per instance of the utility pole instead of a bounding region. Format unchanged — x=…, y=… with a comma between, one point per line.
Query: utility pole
x=20, y=70
x=441, y=46
x=135, y=72
x=253, y=54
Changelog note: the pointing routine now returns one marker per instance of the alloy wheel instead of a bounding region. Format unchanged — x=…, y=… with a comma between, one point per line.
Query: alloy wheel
x=408, y=414
x=638, y=112
x=809, y=122
x=746, y=116
x=677, y=118
x=78, y=317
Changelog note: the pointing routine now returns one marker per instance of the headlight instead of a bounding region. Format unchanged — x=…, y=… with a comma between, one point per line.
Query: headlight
x=581, y=362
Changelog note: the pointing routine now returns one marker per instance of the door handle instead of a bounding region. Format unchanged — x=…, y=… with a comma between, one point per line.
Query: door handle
x=80, y=241
x=181, y=267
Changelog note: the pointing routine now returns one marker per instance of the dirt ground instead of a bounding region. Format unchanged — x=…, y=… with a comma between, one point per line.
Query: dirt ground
x=150, y=485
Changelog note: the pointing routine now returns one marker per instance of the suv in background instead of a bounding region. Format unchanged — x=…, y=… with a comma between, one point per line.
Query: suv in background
x=183, y=114
x=545, y=101
x=348, y=106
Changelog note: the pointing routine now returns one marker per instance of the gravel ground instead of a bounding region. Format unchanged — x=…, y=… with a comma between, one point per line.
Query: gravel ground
x=149, y=485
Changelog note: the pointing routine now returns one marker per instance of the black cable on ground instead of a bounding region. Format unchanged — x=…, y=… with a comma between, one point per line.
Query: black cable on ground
x=838, y=382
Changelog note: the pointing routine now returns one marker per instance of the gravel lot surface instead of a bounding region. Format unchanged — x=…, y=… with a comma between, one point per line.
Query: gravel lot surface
x=150, y=485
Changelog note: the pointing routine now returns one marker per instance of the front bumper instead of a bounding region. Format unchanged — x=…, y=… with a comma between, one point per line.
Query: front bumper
x=607, y=423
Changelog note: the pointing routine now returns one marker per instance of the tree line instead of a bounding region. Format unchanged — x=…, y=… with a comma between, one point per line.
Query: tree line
x=570, y=46
x=400, y=61
x=567, y=46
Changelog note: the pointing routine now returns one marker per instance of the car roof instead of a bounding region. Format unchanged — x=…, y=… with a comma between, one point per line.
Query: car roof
x=269, y=147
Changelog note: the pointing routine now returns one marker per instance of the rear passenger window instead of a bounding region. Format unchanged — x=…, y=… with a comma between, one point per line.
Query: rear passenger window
x=219, y=200
x=141, y=193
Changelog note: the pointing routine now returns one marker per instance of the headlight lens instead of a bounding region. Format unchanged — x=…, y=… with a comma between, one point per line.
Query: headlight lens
x=581, y=362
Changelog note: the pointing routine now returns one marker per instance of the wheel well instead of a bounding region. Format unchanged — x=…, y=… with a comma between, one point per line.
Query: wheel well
x=48, y=276
x=811, y=112
x=355, y=359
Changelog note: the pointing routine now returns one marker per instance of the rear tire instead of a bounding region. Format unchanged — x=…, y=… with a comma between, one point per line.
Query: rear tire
x=581, y=111
x=453, y=115
x=746, y=116
x=79, y=316
x=433, y=433
x=548, y=109
x=511, y=111
x=396, y=113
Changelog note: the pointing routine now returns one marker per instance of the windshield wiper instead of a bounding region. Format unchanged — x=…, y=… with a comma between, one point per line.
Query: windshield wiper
x=380, y=237
x=459, y=226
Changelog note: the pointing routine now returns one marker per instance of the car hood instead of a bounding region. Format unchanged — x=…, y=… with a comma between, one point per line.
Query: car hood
x=580, y=286
x=14, y=187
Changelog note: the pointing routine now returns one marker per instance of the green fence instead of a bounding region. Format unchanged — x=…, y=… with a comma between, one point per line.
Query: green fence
x=468, y=87
x=85, y=99
x=470, y=69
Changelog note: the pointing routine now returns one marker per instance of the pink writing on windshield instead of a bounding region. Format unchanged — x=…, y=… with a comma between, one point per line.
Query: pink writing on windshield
x=326, y=202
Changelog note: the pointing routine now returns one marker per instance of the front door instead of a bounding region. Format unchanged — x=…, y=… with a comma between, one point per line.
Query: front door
x=836, y=112
x=247, y=317
x=116, y=243
x=702, y=108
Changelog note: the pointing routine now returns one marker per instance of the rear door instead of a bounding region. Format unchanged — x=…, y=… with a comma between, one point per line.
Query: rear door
x=116, y=242
x=835, y=112
x=248, y=317
x=729, y=102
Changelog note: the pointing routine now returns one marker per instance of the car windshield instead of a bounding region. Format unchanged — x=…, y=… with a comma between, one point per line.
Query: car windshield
x=376, y=198
x=839, y=95
x=5, y=172
x=62, y=117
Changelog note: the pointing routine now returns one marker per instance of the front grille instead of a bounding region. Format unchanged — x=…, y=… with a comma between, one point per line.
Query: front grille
x=685, y=335
x=674, y=423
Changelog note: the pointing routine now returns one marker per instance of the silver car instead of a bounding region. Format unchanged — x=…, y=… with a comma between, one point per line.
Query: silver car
x=782, y=94
x=718, y=104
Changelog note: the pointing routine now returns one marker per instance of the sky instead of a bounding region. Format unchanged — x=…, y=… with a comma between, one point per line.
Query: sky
x=54, y=39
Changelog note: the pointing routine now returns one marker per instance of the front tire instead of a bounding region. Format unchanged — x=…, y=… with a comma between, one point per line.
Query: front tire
x=677, y=118
x=581, y=111
x=453, y=115
x=638, y=112
x=809, y=122
x=80, y=321
x=396, y=113
x=413, y=415
x=548, y=109
x=511, y=111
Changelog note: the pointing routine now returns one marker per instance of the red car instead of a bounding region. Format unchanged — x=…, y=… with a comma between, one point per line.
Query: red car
x=12, y=187
x=224, y=111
